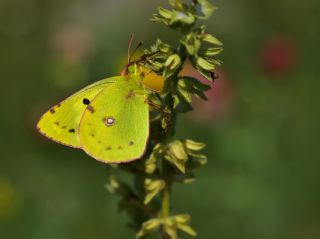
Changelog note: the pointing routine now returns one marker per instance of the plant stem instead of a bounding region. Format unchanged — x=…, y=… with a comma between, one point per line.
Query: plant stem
x=165, y=204
x=166, y=167
x=165, y=197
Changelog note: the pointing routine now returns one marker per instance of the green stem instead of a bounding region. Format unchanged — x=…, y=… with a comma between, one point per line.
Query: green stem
x=165, y=211
x=166, y=167
x=165, y=203
x=165, y=196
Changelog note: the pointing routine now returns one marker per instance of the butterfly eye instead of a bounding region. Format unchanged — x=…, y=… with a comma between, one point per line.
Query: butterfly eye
x=108, y=121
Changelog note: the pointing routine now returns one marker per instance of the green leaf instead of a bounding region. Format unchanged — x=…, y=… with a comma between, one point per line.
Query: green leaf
x=187, y=229
x=192, y=86
x=182, y=17
x=182, y=222
x=180, y=164
x=193, y=145
x=211, y=39
x=177, y=155
x=163, y=47
x=165, y=13
x=112, y=185
x=183, y=218
x=177, y=4
x=173, y=62
x=204, y=9
x=192, y=43
x=204, y=64
x=171, y=231
x=121, y=188
x=213, y=51
x=151, y=164
x=177, y=150
x=184, y=92
x=152, y=187
x=148, y=227
x=204, y=73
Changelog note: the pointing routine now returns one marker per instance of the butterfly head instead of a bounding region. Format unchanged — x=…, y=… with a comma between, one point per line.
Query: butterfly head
x=132, y=69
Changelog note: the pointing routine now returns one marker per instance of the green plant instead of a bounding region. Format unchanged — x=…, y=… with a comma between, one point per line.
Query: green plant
x=169, y=161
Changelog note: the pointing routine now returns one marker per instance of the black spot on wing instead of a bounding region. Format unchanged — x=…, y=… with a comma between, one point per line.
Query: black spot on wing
x=108, y=148
x=52, y=111
x=72, y=130
x=85, y=101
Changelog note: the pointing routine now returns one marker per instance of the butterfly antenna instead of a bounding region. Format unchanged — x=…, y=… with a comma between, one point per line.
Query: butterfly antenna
x=130, y=54
x=134, y=51
x=129, y=47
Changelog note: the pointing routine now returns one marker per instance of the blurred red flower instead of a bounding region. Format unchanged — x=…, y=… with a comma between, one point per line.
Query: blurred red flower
x=220, y=96
x=279, y=55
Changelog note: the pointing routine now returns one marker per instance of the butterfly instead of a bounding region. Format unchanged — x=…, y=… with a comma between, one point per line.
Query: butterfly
x=109, y=119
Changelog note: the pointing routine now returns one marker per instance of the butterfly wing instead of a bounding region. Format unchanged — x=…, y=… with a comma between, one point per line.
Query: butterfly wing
x=61, y=122
x=115, y=128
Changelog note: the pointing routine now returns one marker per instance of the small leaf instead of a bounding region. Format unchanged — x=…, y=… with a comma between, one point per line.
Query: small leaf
x=204, y=64
x=178, y=151
x=213, y=51
x=183, y=17
x=171, y=232
x=187, y=97
x=152, y=187
x=182, y=222
x=177, y=4
x=178, y=163
x=204, y=9
x=211, y=39
x=192, y=86
x=172, y=62
x=163, y=47
x=183, y=218
x=165, y=13
x=150, y=164
x=193, y=145
x=164, y=123
x=206, y=74
x=187, y=229
x=112, y=185
x=192, y=43
x=148, y=227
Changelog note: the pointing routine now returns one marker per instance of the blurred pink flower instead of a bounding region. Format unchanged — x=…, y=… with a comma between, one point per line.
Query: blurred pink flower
x=279, y=55
x=220, y=96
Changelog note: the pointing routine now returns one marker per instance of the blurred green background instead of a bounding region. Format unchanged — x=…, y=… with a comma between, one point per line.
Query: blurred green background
x=261, y=124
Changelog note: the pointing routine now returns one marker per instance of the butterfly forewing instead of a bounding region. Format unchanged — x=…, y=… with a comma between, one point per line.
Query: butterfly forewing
x=115, y=126
x=62, y=121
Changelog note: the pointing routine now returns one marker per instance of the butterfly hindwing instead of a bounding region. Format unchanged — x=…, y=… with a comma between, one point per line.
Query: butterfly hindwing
x=115, y=126
x=62, y=121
